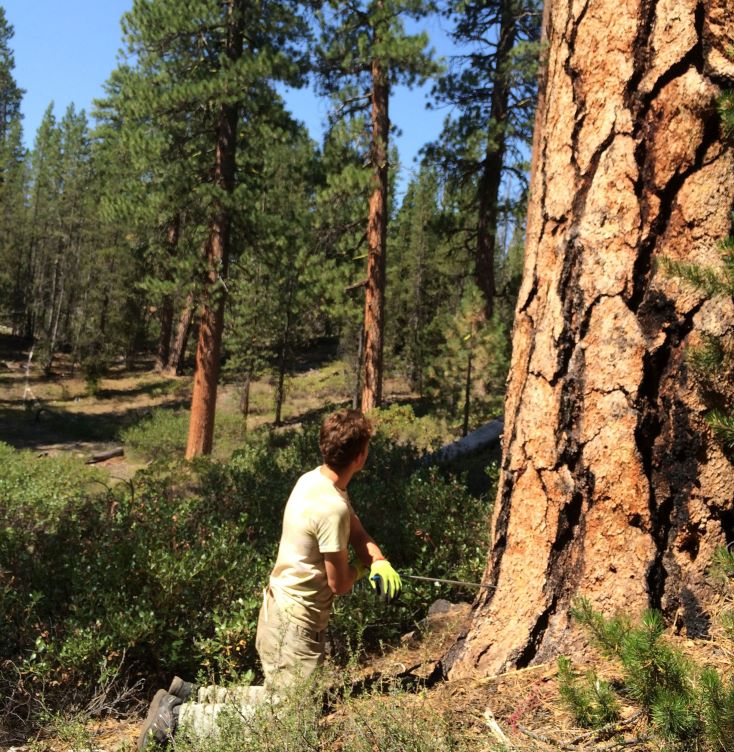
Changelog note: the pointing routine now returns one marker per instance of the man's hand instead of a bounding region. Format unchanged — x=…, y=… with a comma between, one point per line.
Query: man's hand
x=385, y=580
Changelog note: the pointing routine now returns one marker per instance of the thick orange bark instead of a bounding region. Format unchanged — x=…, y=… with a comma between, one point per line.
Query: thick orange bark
x=612, y=487
x=211, y=324
x=374, y=310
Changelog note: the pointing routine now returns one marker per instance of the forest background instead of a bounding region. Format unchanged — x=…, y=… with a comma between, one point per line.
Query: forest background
x=199, y=217
x=196, y=228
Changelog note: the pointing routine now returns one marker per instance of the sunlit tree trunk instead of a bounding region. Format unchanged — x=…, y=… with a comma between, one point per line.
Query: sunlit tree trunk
x=211, y=324
x=611, y=486
x=374, y=312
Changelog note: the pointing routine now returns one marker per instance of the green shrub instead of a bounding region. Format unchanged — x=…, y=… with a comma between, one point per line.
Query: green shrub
x=684, y=704
x=165, y=576
x=389, y=721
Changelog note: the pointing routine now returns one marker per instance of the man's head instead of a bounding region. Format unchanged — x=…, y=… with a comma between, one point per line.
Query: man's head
x=344, y=437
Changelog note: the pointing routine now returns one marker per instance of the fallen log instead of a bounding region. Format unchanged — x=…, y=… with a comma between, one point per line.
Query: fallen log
x=102, y=456
x=485, y=437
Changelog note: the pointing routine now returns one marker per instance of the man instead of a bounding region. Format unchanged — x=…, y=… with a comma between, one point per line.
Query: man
x=311, y=568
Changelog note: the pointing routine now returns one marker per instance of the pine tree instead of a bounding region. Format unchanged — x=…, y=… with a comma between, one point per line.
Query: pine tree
x=280, y=287
x=493, y=88
x=10, y=93
x=13, y=179
x=365, y=51
x=202, y=68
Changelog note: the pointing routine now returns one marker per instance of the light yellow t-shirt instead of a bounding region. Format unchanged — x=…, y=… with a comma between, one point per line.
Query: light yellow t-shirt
x=315, y=522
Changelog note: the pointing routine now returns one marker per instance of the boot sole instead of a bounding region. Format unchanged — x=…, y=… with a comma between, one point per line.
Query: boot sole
x=150, y=718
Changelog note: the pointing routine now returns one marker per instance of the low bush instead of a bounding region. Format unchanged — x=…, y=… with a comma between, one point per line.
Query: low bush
x=165, y=575
x=389, y=720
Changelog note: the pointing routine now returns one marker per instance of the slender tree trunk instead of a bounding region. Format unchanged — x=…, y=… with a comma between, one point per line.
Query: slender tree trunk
x=374, y=311
x=611, y=486
x=491, y=175
x=245, y=400
x=282, y=364
x=467, y=393
x=53, y=334
x=178, y=350
x=166, y=317
x=280, y=388
x=358, y=371
x=206, y=377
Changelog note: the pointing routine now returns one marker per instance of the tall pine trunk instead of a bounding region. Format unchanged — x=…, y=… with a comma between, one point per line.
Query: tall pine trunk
x=374, y=311
x=166, y=316
x=211, y=325
x=491, y=174
x=611, y=485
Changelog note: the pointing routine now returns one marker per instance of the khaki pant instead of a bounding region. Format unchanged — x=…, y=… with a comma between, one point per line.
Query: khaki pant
x=287, y=651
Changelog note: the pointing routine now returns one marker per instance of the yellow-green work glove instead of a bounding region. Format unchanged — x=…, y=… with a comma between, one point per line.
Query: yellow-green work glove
x=385, y=580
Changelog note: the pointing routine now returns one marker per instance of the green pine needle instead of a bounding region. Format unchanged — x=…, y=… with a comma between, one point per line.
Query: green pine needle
x=708, y=357
x=590, y=700
x=722, y=426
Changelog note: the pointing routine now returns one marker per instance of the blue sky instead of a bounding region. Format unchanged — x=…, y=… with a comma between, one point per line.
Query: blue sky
x=64, y=52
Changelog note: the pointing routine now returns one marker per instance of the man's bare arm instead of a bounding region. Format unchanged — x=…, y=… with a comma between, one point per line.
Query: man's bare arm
x=363, y=543
x=339, y=574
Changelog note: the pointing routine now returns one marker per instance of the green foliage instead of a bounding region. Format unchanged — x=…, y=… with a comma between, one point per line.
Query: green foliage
x=472, y=350
x=591, y=700
x=163, y=434
x=708, y=357
x=400, y=424
x=388, y=719
x=722, y=425
x=718, y=709
x=165, y=575
x=686, y=704
x=608, y=634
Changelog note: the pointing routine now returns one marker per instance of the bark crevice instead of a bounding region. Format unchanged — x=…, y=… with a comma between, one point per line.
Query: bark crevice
x=535, y=637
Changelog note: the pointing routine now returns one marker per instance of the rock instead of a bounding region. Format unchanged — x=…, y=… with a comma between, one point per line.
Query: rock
x=442, y=611
x=442, y=606
x=411, y=638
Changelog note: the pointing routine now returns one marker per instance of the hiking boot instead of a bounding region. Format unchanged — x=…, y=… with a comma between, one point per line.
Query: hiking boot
x=181, y=688
x=161, y=720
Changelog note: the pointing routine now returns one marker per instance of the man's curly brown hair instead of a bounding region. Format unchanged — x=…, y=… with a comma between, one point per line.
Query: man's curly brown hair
x=344, y=435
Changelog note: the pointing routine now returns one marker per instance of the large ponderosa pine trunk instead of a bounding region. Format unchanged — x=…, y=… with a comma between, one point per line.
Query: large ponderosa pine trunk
x=612, y=486
x=374, y=309
x=211, y=325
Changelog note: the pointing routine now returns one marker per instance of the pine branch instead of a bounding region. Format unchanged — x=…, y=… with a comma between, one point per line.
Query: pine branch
x=722, y=426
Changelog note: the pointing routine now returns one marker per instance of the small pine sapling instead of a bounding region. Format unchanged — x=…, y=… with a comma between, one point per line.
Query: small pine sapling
x=591, y=700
